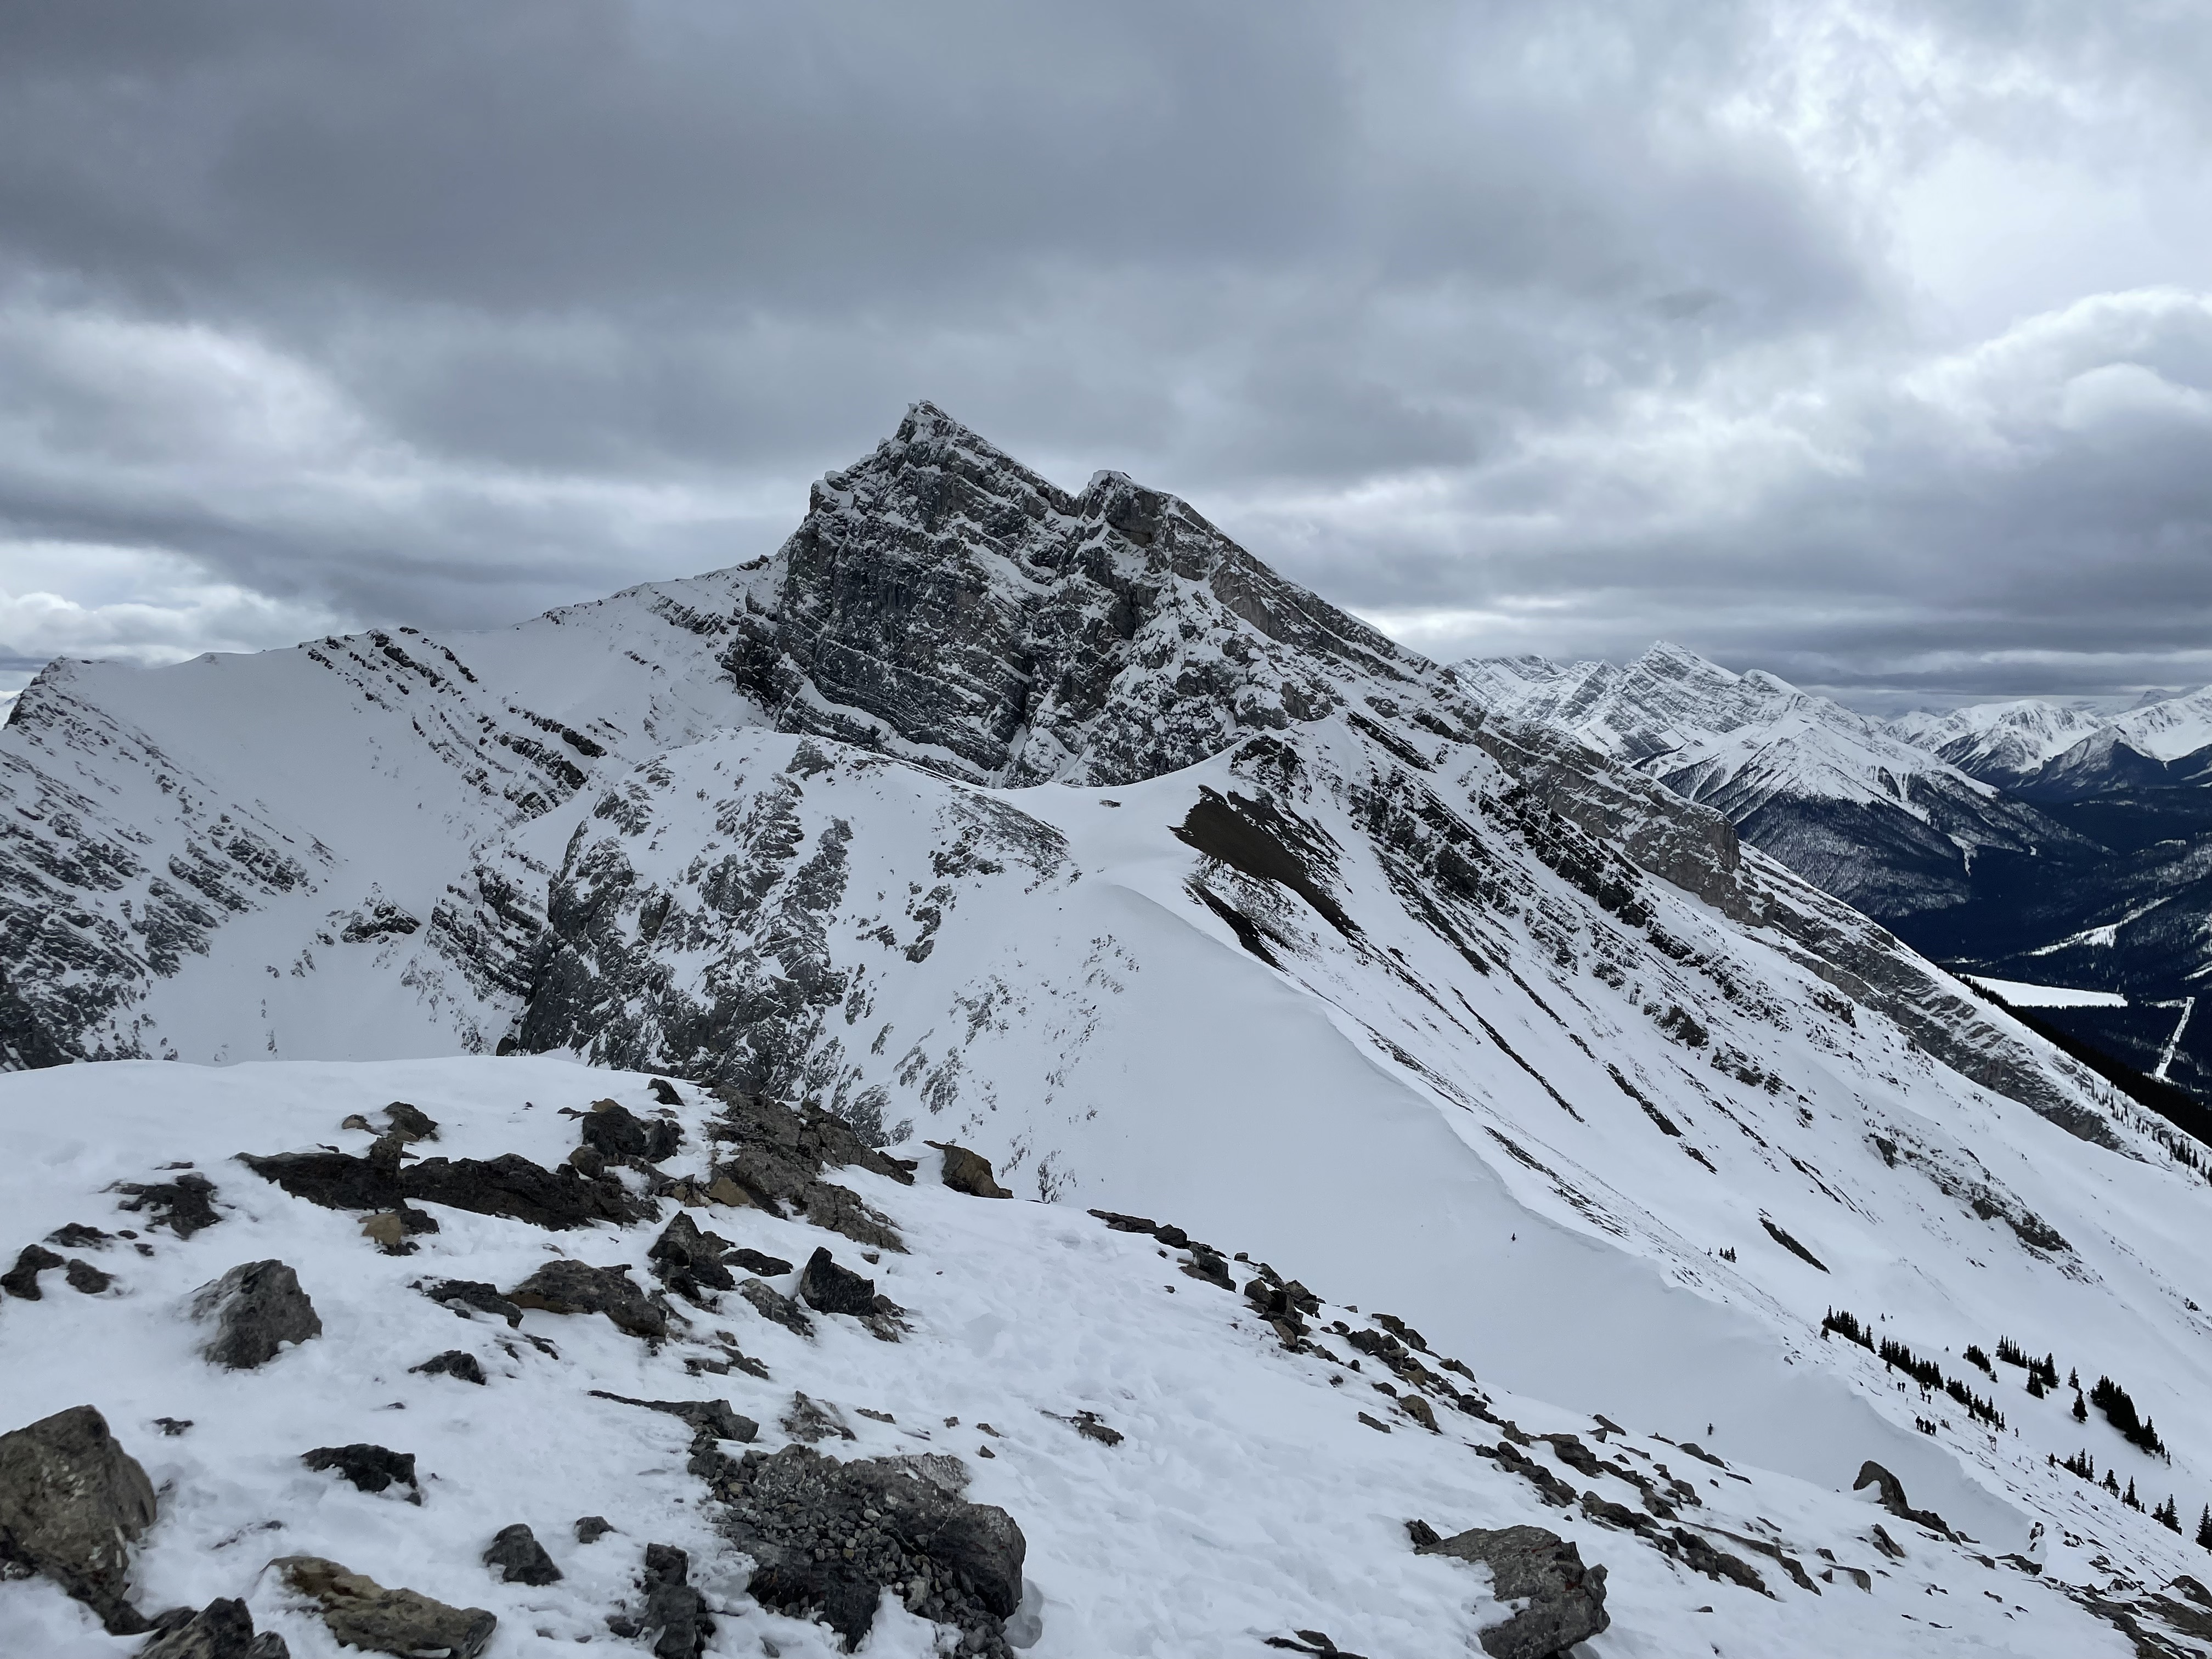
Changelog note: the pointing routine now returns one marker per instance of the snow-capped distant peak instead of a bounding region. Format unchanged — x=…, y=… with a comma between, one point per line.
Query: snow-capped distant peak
x=1782, y=762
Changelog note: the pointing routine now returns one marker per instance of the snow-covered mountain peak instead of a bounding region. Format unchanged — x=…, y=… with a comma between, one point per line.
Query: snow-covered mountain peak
x=1061, y=826
x=1800, y=775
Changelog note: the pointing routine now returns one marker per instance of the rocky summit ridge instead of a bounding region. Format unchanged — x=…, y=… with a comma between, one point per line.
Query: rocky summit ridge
x=1055, y=829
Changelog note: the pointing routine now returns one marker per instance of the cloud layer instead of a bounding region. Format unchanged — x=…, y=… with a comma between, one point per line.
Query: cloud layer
x=1854, y=344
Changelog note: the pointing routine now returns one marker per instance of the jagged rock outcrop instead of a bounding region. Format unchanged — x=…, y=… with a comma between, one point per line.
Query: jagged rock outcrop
x=1564, y=1600
x=894, y=1523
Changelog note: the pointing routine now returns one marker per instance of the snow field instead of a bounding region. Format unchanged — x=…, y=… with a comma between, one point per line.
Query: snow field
x=1245, y=1500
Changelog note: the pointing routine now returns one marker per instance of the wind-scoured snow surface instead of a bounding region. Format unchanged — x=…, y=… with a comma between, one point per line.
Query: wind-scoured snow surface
x=1060, y=827
x=1245, y=1499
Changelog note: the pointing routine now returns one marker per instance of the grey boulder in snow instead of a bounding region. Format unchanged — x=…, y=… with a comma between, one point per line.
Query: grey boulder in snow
x=71, y=1501
x=256, y=1309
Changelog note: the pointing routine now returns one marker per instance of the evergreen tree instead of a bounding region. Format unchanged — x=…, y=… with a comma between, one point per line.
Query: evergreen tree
x=2204, y=1529
x=2081, y=1408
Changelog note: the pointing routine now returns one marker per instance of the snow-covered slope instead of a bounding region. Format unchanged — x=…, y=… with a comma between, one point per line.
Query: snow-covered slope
x=1182, y=1478
x=1060, y=827
x=1850, y=806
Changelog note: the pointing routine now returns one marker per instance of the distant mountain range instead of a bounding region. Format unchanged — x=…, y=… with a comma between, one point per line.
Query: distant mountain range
x=2029, y=839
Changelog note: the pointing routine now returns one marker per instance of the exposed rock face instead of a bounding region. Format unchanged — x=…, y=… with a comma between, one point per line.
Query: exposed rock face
x=941, y=604
x=221, y=1630
x=508, y=1185
x=21, y=1280
x=1565, y=1599
x=827, y=1287
x=256, y=1308
x=674, y=1611
x=690, y=1262
x=570, y=1287
x=362, y=1612
x=615, y=1132
x=969, y=1172
x=1890, y=1490
x=71, y=1501
x=910, y=1530
x=371, y=1469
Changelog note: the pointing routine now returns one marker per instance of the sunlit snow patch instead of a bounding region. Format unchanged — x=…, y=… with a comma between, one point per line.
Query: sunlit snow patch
x=2046, y=996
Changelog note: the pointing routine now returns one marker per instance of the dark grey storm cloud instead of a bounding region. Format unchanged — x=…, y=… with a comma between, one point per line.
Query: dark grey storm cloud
x=1872, y=347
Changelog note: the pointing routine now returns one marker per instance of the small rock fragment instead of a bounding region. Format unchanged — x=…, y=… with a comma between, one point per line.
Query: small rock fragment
x=771, y=1304
x=1420, y=1411
x=753, y=1262
x=1088, y=1425
x=76, y=1235
x=456, y=1363
x=71, y=1501
x=256, y=1308
x=1716, y=1563
x=83, y=1277
x=709, y=1416
x=183, y=1205
x=969, y=1172
x=519, y=1558
x=409, y=1123
x=664, y=1093
x=810, y=1421
x=172, y=1427
x=590, y=1529
x=360, y=1611
x=826, y=1287
x=22, y=1280
x=371, y=1468
x=473, y=1293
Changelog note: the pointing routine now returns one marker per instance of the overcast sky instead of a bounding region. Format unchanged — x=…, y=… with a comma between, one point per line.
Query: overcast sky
x=1870, y=345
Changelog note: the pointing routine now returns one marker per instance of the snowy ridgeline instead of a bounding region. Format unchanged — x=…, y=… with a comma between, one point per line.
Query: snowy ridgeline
x=1059, y=827
x=1144, y=1458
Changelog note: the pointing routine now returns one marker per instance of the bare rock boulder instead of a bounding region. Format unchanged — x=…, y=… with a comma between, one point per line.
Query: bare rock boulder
x=256, y=1309
x=570, y=1287
x=71, y=1501
x=1564, y=1600
x=969, y=1172
x=361, y=1612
